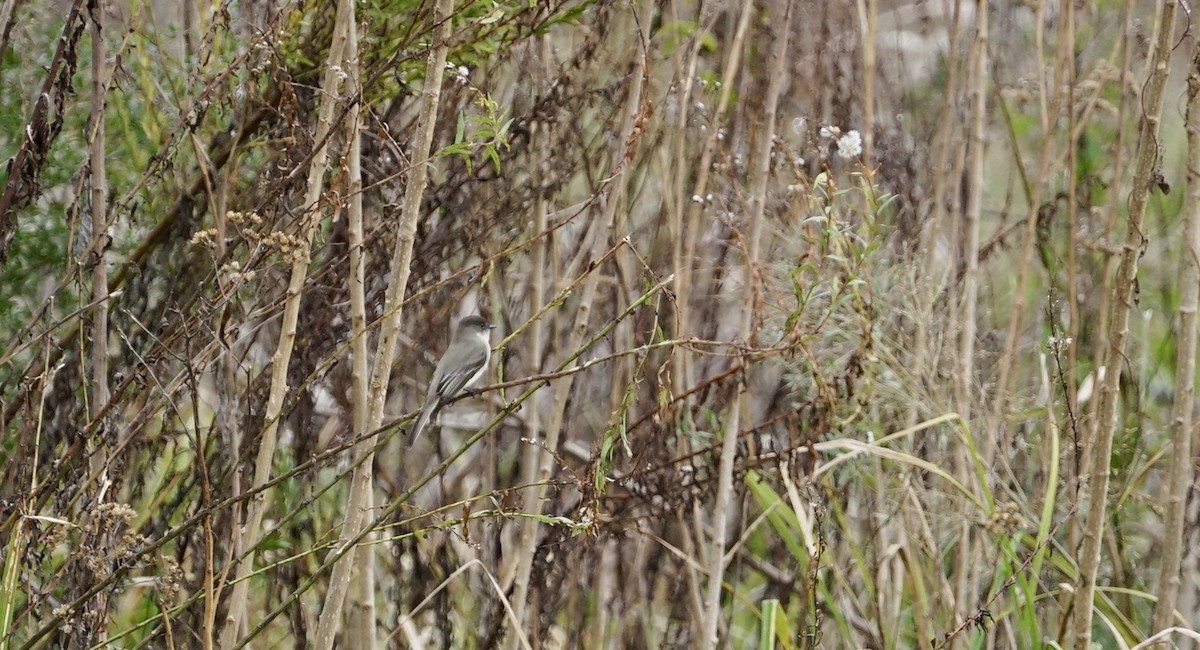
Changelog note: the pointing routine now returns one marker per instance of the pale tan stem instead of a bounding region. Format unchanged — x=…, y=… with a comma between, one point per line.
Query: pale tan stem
x=781, y=12
x=543, y=464
x=868, y=18
x=531, y=454
x=98, y=451
x=389, y=330
x=251, y=532
x=1073, y=316
x=968, y=571
x=930, y=279
x=970, y=292
x=99, y=201
x=1118, y=329
x=99, y=228
x=360, y=630
x=1180, y=472
x=689, y=287
x=691, y=284
x=681, y=255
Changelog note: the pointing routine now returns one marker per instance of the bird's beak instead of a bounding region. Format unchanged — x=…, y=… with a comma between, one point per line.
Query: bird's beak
x=491, y=326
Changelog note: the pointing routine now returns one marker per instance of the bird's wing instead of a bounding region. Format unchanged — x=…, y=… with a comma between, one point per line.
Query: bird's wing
x=455, y=379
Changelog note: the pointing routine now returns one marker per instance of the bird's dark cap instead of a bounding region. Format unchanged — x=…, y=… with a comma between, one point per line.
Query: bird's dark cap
x=475, y=322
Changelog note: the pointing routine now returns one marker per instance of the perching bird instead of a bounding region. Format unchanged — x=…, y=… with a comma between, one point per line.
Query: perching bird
x=463, y=363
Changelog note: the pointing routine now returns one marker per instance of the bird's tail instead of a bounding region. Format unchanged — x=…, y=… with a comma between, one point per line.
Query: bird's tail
x=423, y=420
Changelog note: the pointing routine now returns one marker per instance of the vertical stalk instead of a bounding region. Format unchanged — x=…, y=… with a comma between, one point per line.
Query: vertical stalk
x=531, y=457
x=1068, y=13
x=537, y=478
x=360, y=495
x=360, y=631
x=928, y=282
x=974, y=208
x=1176, y=488
x=688, y=285
x=868, y=15
x=680, y=262
x=99, y=200
x=965, y=371
x=251, y=531
x=1100, y=448
x=94, y=630
x=760, y=174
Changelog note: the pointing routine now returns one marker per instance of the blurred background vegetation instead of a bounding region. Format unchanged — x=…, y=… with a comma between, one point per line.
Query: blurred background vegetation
x=818, y=323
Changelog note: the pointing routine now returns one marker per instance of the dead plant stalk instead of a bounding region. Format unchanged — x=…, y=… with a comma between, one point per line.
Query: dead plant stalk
x=360, y=633
x=1118, y=329
x=250, y=534
x=760, y=175
x=1176, y=488
x=389, y=332
x=539, y=462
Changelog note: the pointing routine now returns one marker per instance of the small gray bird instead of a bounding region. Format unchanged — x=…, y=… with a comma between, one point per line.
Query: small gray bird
x=463, y=363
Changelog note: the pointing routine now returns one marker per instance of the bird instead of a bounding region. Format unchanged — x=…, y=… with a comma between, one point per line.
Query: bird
x=463, y=363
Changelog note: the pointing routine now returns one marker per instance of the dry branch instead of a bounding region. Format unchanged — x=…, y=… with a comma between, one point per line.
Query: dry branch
x=401, y=261
x=1100, y=449
x=250, y=535
x=1180, y=466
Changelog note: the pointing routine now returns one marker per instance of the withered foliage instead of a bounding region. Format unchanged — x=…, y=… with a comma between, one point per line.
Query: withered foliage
x=559, y=106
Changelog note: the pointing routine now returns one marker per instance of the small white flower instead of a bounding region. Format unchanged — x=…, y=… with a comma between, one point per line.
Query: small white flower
x=460, y=72
x=696, y=198
x=829, y=131
x=850, y=144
